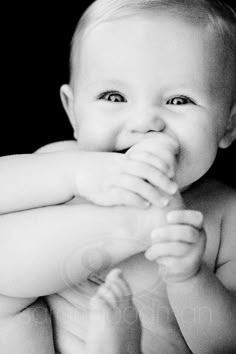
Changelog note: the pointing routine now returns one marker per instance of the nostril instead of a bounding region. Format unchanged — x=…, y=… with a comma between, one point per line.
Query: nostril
x=150, y=123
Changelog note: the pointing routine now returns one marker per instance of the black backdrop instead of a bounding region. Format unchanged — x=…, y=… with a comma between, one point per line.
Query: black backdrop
x=35, y=52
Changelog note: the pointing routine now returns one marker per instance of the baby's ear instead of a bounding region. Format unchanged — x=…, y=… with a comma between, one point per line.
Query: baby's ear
x=67, y=99
x=230, y=130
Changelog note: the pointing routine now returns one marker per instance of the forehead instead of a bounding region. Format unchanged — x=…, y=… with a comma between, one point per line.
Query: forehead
x=154, y=40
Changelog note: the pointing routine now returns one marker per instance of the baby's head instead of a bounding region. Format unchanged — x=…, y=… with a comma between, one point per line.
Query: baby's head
x=139, y=66
x=212, y=15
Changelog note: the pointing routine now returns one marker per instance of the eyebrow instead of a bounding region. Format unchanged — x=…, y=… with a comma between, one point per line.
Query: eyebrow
x=107, y=83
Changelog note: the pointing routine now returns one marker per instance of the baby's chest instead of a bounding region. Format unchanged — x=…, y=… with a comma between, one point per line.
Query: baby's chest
x=71, y=308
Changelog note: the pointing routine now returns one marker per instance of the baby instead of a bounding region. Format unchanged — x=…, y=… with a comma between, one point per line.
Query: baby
x=152, y=97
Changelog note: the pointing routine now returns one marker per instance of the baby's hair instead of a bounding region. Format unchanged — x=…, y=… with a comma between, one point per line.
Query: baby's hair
x=209, y=14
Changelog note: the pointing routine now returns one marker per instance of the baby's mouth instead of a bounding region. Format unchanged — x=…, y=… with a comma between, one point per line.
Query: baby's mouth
x=123, y=151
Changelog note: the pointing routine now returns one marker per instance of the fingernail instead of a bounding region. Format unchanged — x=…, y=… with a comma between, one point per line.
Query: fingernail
x=173, y=188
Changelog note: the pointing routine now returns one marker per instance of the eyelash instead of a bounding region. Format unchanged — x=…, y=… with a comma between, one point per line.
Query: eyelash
x=106, y=93
x=189, y=100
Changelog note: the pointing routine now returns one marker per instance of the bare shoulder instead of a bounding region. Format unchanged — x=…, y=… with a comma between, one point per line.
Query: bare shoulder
x=222, y=201
x=213, y=196
x=228, y=231
x=58, y=146
x=217, y=202
x=29, y=331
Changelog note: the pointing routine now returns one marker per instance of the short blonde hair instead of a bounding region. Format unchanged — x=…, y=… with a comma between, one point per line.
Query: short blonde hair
x=213, y=15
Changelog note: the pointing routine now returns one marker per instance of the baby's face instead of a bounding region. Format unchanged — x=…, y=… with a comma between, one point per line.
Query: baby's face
x=137, y=72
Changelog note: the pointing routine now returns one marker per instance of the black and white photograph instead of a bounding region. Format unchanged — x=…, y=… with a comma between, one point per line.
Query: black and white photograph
x=118, y=178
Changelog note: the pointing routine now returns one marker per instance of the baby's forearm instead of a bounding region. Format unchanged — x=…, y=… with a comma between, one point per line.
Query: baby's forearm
x=48, y=249
x=35, y=180
x=206, y=313
x=27, y=331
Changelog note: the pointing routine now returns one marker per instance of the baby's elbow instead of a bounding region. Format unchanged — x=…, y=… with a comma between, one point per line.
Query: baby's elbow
x=12, y=306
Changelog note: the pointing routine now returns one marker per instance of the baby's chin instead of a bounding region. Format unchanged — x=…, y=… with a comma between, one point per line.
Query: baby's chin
x=185, y=188
x=187, y=180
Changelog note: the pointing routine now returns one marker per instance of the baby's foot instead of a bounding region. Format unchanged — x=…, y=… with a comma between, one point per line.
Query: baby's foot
x=114, y=322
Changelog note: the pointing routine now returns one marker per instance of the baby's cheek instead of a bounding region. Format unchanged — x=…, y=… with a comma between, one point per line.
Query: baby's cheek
x=195, y=160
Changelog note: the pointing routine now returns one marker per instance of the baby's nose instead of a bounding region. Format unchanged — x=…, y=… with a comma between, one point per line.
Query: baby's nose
x=147, y=121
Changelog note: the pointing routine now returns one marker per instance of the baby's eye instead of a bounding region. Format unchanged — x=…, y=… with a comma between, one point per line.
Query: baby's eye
x=179, y=100
x=112, y=97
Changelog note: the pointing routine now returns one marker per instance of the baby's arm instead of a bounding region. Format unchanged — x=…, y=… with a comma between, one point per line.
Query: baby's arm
x=54, y=231
x=30, y=181
x=40, y=229
x=55, y=177
x=35, y=180
x=27, y=330
x=204, y=303
x=65, y=259
x=43, y=250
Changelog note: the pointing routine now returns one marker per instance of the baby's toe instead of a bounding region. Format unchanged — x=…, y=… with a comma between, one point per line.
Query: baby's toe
x=108, y=295
x=116, y=281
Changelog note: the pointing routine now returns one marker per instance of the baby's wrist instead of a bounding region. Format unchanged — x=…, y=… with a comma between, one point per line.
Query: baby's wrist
x=186, y=280
x=71, y=165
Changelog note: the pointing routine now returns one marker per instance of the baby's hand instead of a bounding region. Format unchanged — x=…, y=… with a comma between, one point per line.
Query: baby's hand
x=158, y=150
x=179, y=246
x=119, y=179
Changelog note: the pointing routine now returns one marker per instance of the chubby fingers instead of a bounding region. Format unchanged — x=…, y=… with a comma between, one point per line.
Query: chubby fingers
x=139, y=189
x=152, y=175
x=155, y=161
x=154, y=140
x=186, y=217
x=142, y=182
x=162, y=146
x=177, y=239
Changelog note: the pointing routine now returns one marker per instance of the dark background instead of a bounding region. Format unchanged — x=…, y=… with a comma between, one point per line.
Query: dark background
x=35, y=52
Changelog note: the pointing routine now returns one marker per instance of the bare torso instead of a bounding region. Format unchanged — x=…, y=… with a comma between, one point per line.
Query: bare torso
x=161, y=334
